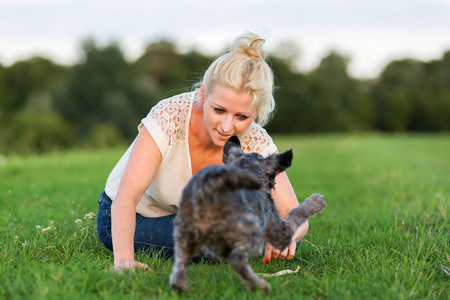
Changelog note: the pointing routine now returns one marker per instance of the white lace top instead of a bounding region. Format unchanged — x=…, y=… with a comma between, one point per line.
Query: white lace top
x=168, y=124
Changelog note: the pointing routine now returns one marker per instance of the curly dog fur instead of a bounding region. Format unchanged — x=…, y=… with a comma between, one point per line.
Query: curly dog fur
x=227, y=211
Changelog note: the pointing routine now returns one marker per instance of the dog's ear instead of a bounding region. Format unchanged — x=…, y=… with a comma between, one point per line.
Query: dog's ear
x=231, y=150
x=233, y=142
x=283, y=161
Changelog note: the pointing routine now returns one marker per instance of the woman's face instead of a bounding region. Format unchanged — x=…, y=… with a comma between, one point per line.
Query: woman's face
x=226, y=112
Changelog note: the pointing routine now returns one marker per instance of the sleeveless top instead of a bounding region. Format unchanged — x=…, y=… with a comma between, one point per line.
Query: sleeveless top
x=168, y=124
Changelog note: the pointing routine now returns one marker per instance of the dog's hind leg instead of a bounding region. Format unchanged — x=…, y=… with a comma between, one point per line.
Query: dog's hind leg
x=184, y=250
x=238, y=259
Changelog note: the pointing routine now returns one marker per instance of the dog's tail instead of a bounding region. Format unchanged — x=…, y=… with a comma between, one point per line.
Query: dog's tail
x=222, y=179
x=215, y=180
x=308, y=208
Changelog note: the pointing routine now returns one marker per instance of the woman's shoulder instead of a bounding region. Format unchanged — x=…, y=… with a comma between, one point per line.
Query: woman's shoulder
x=171, y=114
x=173, y=105
x=256, y=139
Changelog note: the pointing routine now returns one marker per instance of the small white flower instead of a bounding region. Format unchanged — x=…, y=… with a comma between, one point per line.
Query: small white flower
x=38, y=227
x=46, y=229
x=75, y=234
x=25, y=244
x=90, y=215
x=16, y=238
x=78, y=221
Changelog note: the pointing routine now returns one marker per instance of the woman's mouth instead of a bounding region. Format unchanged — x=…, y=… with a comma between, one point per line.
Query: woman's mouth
x=223, y=135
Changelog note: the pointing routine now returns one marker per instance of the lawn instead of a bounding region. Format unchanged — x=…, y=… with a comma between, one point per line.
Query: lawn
x=384, y=234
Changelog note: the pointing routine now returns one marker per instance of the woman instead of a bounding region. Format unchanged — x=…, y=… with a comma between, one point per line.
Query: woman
x=180, y=136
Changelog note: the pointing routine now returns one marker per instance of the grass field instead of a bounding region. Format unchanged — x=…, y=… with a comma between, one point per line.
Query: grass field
x=384, y=235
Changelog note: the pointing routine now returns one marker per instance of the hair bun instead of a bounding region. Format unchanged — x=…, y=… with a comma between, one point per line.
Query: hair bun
x=249, y=44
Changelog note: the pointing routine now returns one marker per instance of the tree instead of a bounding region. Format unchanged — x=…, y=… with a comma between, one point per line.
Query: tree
x=162, y=66
x=24, y=79
x=340, y=102
x=432, y=97
x=103, y=89
x=294, y=110
x=394, y=94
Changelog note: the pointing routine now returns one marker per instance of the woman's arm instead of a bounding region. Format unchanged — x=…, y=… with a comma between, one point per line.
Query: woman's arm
x=284, y=196
x=142, y=165
x=285, y=200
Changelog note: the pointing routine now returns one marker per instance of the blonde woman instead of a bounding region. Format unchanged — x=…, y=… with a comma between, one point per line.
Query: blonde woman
x=180, y=136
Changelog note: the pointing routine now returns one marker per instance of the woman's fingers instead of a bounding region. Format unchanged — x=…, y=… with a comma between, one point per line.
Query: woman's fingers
x=130, y=265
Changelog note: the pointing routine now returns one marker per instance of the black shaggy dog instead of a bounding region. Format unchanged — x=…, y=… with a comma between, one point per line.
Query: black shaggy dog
x=227, y=211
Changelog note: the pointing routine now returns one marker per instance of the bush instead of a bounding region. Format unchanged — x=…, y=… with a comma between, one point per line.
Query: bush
x=38, y=132
x=104, y=136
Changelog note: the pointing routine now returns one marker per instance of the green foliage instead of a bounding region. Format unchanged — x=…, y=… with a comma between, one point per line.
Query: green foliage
x=32, y=132
x=168, y=71
x=394, y=94
x=104, y=89
x=25, y=77
x=339, y=100
x=383, y=235
x=414, y=96
x=294, y=110
x=101, y=89
x=161, y=63
x=104, y=136
x=325, y=100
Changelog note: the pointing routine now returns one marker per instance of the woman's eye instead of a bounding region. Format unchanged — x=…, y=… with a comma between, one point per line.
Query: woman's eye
x=219, y=110
x=242, y=117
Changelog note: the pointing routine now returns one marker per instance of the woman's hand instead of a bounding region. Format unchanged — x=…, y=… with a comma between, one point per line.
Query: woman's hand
x=289, y=252
x=273, y=253
x=130, y=264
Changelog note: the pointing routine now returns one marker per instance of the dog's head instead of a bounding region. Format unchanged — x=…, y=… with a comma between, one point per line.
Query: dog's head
x=265, y=168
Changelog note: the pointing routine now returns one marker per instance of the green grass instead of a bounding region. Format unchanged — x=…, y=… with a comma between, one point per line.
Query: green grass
x=384, y=234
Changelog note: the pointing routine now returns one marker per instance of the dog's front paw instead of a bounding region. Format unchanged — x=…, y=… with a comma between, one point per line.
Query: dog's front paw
x=317, y=201
x=258, y=284
x=265, y=288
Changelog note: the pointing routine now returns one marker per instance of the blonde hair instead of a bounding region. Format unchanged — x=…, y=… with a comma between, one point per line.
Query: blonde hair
x=244, y=68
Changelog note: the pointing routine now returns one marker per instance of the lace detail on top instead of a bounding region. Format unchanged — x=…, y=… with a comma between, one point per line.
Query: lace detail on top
x=171, y=114
x=255, y=139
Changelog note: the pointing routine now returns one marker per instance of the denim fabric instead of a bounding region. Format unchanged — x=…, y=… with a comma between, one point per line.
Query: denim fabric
x=153, y=235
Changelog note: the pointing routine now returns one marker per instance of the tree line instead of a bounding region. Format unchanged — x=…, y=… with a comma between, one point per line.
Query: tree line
x=99, y=101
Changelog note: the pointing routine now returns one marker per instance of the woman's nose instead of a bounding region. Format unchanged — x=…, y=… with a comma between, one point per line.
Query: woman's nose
x=227, y=124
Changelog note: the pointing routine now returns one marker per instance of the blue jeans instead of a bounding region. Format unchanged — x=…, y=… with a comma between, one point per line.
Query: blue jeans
x=153, y=235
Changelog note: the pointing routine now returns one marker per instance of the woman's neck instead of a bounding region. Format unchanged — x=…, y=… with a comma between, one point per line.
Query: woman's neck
x=198, y=135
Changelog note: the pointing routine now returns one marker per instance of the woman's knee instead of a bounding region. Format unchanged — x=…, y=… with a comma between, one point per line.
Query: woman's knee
x=104, y=223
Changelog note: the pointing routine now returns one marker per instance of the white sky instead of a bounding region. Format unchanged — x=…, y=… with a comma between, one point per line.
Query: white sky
x=370, y=32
